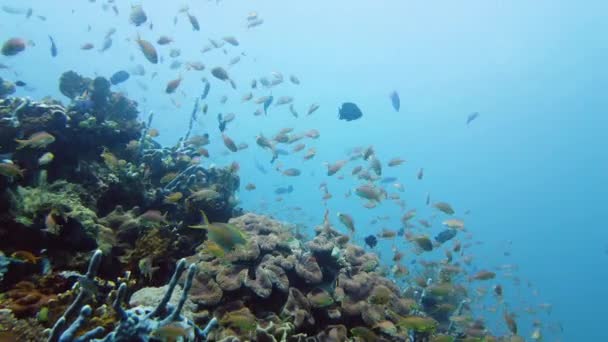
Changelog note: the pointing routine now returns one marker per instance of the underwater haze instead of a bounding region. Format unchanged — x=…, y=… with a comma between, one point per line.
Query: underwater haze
x=498, y=137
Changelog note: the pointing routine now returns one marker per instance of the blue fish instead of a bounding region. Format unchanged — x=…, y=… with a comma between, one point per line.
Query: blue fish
x=119, y=77
x=472, y=117
x=53, y=47
x=206, y=90
x=349, y=112
x=267, y=103
x=445, y=235
x=395, y=101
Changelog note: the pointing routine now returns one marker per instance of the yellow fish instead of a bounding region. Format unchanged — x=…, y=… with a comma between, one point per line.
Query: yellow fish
x=36, y=140
x=225, y=235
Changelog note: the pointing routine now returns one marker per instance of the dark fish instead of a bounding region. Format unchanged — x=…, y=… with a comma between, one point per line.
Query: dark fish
x=194, y=22
x=20, y=83
x=221, y=122
x=472, y=117
x=349, y=112
x=119, y=77
x=446, y=235
x=395, y=101
x=206, y=89
x=282, y=190
x=53, y=47
x=148, y=50
x=220, y=73
x=13, y=46
x=386, y=180
x=137, y=16
x=267, y=103
x=371, y=241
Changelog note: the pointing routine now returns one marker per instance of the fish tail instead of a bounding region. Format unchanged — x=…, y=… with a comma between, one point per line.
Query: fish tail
x=22, y=143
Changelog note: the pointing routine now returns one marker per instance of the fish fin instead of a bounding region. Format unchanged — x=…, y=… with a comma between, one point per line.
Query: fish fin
x=205, y=219
x=199, y=226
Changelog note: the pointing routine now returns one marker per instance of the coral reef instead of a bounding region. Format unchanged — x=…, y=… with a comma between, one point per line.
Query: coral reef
x=88, y=176
x=141, y=323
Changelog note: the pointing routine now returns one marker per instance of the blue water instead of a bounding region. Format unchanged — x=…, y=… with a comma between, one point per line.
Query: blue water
x=532, y=169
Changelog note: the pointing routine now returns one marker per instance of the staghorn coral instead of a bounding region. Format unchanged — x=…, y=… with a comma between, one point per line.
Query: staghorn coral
x=138, y=323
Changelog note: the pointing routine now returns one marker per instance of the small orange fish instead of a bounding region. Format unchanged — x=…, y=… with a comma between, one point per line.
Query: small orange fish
x=11, y=170
x=148, y=50
x=229, y=143
x=36, y=140
x=25, y=256
x=483, y=275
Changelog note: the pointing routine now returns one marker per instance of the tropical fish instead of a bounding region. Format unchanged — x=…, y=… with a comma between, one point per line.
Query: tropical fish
x=173, y=332
x=13, y=46
x=420, y=174
x=225, y=235
x=483, y=275
x=267, y=103
x=153, y=216
x=25, y=256
x=332, y=169
x=313, y=107
x=231, y=40
x=193, y=22
x=371, y=241
x=148, y=50
x=395, y=162
x=173, y=85
x=293, y=111
x=445, y=235
x=164, y=40
x=454, y=224
x=370, y=192
x=376, y=166
x=146, y=267
x=53, y=47
x=395, y=101
x=119, y=77
x=444, y=207
x=229, y=143
x=472, y=117
x=36, y=140
x=107, y=44
x=283, y=190
x=173, y=197
x=347, y=221
x=283, y=100
x=10, y=170
x=349, y=112
x=291, y=172
x=46, y=159
x=137, y=16
x=205, y=89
